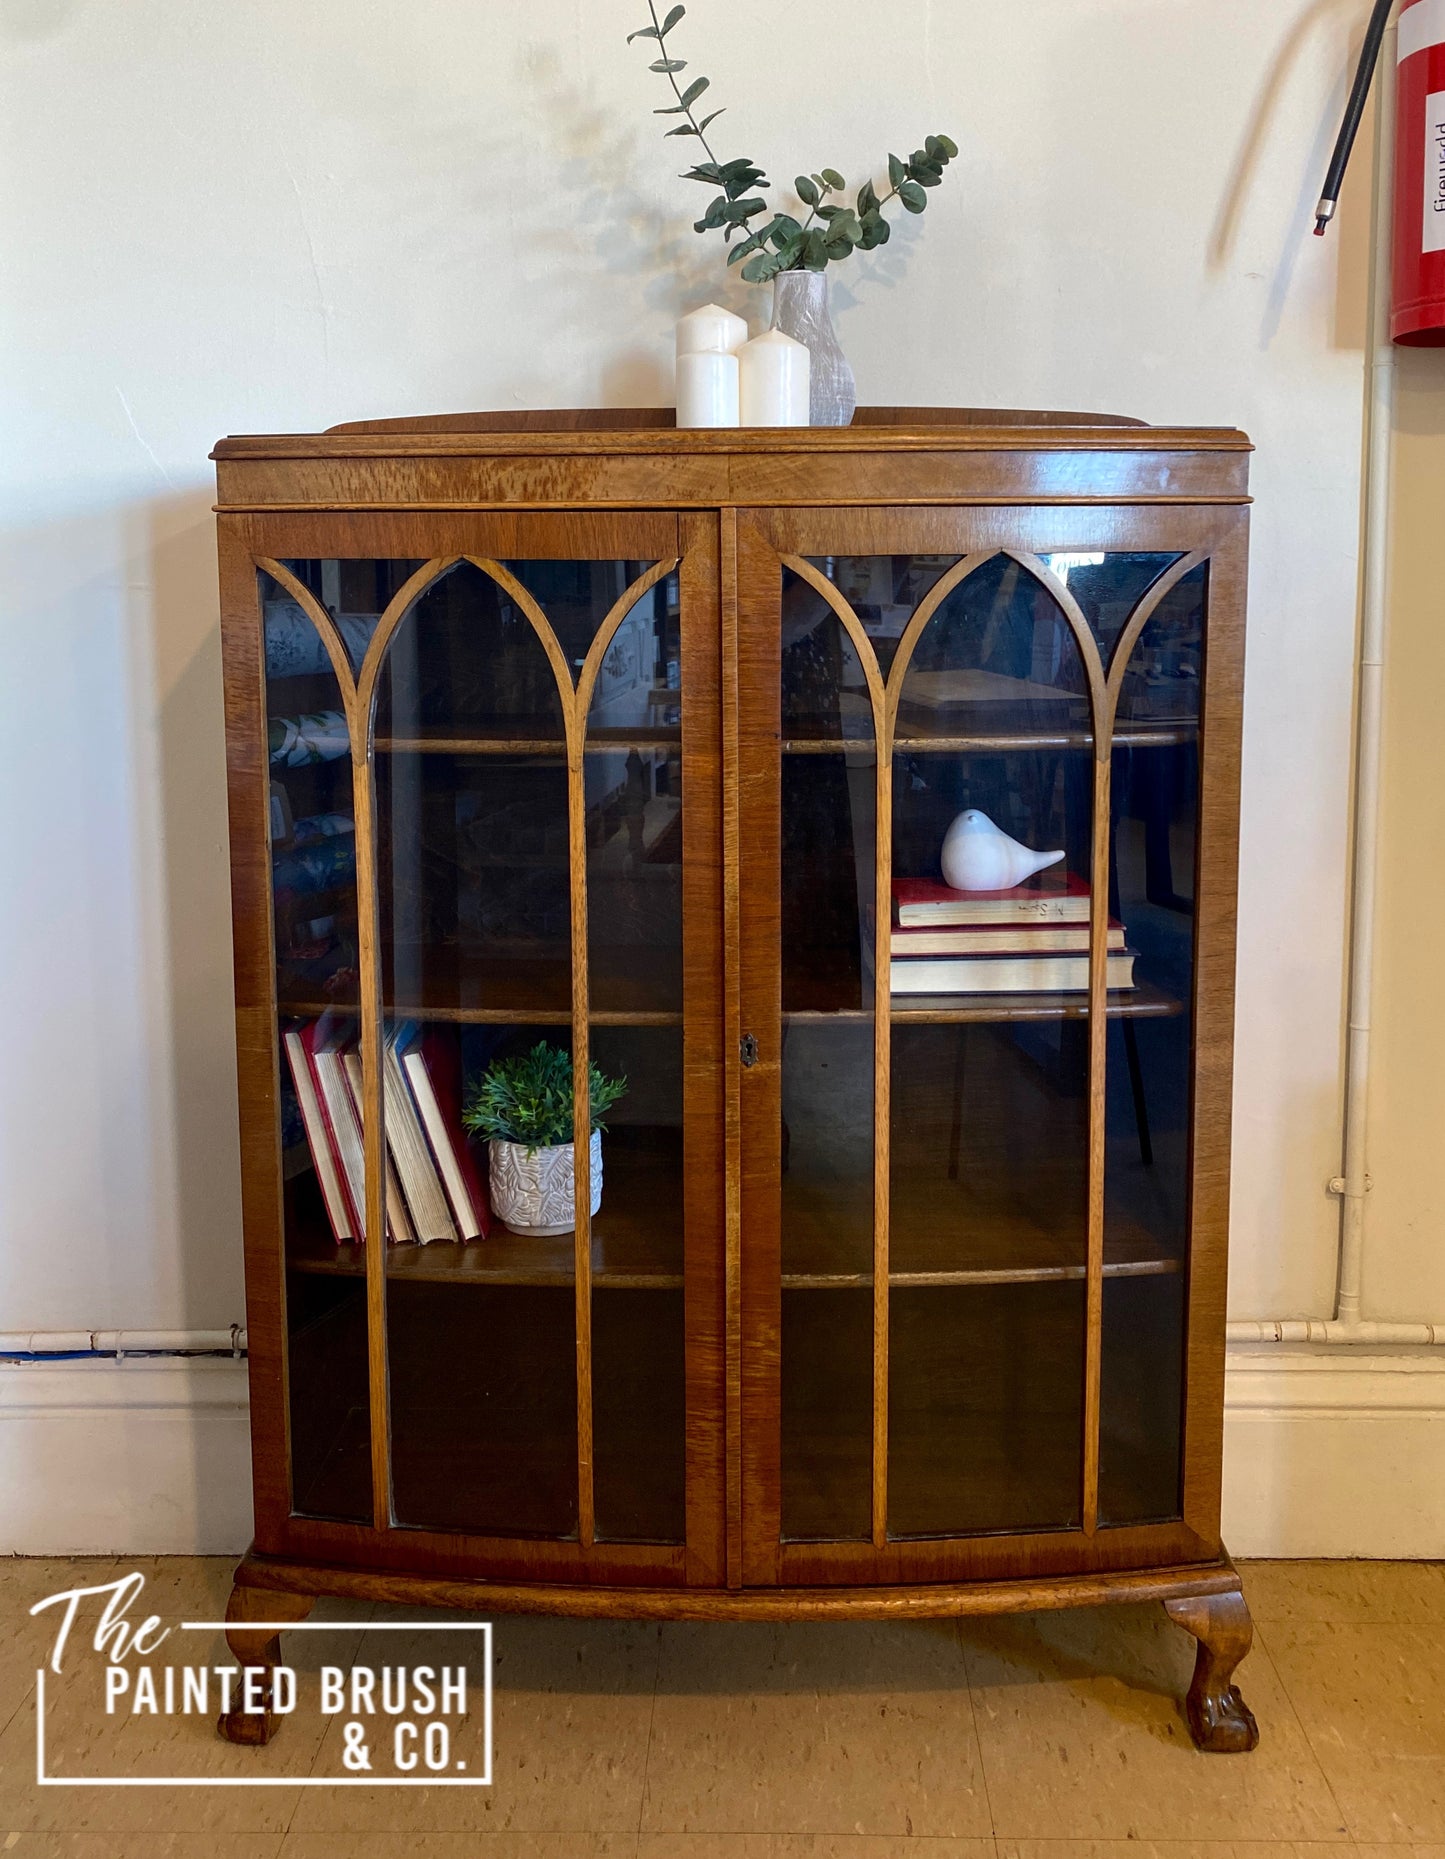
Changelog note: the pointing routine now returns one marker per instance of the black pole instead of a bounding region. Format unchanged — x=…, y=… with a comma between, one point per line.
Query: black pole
x=1354, y=109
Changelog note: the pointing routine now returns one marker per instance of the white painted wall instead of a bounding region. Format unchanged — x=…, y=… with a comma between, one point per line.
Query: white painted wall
x=271, y=217
x=1405, y=1209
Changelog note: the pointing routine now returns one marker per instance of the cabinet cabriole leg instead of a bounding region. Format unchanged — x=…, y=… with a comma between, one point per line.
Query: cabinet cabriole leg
x=257, y=1645
x=1219, y=1719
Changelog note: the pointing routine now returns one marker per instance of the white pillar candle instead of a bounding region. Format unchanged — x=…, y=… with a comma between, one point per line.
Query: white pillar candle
x=712, y=330
x=707, y=390
x=773, y=381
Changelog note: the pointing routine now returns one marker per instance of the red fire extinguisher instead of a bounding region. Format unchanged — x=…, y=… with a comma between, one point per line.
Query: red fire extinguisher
x=1417, y=314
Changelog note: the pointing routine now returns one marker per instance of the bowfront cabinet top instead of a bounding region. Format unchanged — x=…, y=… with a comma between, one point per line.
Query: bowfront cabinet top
x=894, y=1279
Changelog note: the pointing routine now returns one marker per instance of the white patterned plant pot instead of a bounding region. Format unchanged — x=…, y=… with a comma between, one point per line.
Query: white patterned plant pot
x=533, y=1190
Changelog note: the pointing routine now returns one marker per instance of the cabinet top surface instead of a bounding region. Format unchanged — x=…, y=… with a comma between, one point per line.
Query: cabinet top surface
x=651, y=431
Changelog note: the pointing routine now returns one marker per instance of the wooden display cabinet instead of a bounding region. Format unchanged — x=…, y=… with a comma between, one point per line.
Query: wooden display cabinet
x=895, y=1304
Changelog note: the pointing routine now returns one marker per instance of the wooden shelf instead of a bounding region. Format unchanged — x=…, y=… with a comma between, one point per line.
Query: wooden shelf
x=998, y=1247
x=598, y=742
x=497, y=991
x=636, y=1238
x=973, y=1009
x=1164, y=736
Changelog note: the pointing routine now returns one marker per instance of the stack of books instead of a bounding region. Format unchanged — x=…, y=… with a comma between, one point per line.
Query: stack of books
x=1033, y=939
x=434, y=1190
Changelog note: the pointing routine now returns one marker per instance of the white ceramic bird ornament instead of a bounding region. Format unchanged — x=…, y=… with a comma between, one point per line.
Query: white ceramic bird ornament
x=978, y=856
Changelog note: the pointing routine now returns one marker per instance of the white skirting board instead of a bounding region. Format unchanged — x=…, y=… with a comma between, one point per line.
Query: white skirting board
x=148, y=1455
x=1328, y=1452
x=1334, y=1452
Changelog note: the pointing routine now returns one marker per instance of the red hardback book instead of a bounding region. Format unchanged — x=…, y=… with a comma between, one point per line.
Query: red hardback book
x=433, y=1067
x=300, y=1043
x=1051, y=896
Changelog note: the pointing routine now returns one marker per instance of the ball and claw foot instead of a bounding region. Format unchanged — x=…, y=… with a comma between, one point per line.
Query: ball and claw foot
x=257, y=1645
x=1219, y=1720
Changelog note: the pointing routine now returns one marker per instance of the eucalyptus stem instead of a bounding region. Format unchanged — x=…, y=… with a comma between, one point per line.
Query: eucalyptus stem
x=672, y=79
x=831, y=231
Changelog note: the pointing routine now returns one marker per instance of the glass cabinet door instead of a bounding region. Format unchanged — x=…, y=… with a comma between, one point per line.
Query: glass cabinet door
x=973, y=868
x=478, y=830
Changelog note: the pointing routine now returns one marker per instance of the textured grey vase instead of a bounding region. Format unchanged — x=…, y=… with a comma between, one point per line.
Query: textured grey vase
x=800, y=310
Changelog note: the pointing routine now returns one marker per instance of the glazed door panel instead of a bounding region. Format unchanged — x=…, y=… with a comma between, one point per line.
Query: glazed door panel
x=979, y=1281
x=491, y=817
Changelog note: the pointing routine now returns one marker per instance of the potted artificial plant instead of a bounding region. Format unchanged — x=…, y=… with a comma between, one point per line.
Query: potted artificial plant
x=523, y=1107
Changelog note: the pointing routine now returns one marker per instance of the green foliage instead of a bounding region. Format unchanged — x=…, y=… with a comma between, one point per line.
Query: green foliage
x=528, y=1099
x=780, y=242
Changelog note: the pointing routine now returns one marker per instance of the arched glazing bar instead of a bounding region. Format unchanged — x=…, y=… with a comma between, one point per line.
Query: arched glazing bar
x=574, y=702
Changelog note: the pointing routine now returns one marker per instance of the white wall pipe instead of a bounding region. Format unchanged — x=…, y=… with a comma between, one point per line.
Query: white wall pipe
x=1348, y=1327
x=123, y=1342
x=1316, y=1330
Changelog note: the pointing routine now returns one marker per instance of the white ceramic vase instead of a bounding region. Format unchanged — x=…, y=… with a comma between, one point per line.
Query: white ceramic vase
x=979, y=856
x=534, y=1190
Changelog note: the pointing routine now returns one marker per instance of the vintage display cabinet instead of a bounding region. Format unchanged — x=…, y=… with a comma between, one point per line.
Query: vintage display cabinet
x=578, y=730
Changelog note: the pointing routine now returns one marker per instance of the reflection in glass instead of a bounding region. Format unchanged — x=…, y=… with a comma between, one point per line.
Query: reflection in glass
x=985, y=1414
x=313, y=872
x=827, y=1414
x=355, y=593
x=473, y=863
x=467, y=662
x=1109, y=586
x=1155, y=803
x=989, y=1154
x=634, y=879
x=998, y=658
x=476, y=888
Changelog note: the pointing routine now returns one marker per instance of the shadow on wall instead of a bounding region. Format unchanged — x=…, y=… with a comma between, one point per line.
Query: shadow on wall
x=176, y=598
x=634, y=246
x=1351, y=229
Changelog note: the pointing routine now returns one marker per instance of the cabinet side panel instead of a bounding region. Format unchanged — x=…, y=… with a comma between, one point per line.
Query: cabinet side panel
x=1217, y=888
x=256, y=1056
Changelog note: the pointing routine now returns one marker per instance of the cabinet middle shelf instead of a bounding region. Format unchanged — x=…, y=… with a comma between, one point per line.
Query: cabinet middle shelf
x=636, y=1237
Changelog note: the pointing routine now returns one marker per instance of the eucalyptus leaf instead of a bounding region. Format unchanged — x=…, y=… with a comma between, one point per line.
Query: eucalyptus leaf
x=834, y=179
x=913, y=196
x=758, y=270
x=783, y=228
x=710, y=119
x=693, y=91
x=644, y=32
x=673, y=17
x=949, y=147
x=815, y=251
x=666, y=65
x=897, y=172
x=928, y=176
x=806, y=191
x=867, y=199
x=684, y=129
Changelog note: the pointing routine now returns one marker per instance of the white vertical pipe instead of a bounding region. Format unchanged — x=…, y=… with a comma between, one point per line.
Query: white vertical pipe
x=1374, y=595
